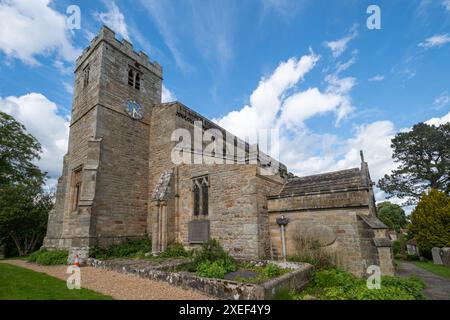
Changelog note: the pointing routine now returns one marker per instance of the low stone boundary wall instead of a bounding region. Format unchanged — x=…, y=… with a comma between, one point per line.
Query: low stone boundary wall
x=222, y=289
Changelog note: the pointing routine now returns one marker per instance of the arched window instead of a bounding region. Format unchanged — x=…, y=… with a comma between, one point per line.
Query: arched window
x=131, y=77
x=200, y=195
x=196, y=191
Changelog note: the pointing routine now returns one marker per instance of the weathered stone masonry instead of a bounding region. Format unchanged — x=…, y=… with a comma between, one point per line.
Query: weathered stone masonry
x=119, y=180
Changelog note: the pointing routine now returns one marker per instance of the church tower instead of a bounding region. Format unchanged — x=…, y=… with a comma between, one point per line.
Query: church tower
x=102, y=195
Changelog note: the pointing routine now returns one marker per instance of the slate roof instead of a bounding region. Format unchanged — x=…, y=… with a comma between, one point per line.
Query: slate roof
x=349, y=179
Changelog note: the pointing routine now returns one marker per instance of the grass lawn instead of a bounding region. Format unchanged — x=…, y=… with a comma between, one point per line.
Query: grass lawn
x=18, y=283
x=439, y=270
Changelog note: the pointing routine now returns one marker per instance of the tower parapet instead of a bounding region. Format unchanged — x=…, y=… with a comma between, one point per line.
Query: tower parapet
x=108, y=35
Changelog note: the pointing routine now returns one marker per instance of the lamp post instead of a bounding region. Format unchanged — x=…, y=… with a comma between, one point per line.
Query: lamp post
x=282, y=222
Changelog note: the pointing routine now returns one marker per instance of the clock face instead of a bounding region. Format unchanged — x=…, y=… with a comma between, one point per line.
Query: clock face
x=134, y=109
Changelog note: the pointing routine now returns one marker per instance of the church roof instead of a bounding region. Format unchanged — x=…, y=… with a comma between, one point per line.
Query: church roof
x=350, y=179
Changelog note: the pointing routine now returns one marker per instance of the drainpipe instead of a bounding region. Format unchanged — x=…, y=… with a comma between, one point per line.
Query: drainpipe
x=283, y=222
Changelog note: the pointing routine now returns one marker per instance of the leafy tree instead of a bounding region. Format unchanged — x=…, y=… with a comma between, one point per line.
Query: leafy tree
x=423, y=155
x=24, y=205
x=430, y=221
x=392, y=215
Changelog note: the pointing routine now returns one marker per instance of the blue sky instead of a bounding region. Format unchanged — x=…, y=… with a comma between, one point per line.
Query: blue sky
x=311, y=68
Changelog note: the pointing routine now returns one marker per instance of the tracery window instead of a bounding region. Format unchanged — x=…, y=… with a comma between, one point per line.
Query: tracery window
x=200, y=190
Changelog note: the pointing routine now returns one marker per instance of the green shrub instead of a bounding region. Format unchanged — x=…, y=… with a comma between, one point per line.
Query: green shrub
x=412, y=285
x=284, y=294
x=272, y=270
x=211, y=251
x=49, y=257
x=175, y=250
x=396, y=247
x=211, y=270
x=334, y=278
x=336, y=284
x=212, y=261
x=128, y=248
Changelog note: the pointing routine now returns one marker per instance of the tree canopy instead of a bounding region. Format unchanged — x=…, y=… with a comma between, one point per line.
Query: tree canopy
x=423, y=158
x=430, y=221
x=24, y=205
x=392, y=215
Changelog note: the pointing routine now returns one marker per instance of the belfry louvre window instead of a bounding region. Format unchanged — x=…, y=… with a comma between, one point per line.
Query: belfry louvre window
x=76, y=187
x=131, y=77
x=86, y=71
x=200, y=191
x=134, y=78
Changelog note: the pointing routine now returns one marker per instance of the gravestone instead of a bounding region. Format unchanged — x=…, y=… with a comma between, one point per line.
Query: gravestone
x=436, y=253
x=445, y=256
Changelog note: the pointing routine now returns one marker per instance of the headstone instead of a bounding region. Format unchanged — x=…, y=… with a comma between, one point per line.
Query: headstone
x=436, y=253
x=445, y=256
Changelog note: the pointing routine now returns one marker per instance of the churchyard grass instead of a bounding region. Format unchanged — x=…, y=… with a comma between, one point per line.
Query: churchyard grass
x=18, y=283
x=439, y=270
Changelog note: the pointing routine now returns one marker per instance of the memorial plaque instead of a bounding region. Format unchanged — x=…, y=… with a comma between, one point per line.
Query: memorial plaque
x=198, y=231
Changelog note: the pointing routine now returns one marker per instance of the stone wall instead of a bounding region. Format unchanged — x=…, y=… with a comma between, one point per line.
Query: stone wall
x=347, y=238
x=345, y=250
x=237, y=206
x=237, y=192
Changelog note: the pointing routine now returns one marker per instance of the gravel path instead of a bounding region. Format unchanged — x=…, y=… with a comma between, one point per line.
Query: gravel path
x=117, y=285
x=436, y=287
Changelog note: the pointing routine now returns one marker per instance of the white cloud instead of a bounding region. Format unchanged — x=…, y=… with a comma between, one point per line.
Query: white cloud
x=338, y=47
x=341, y=67
x=32, y=28
x=442, y=101
x=40, y=117
x=167, y=95
x=435, y=41
x=377, y=78
x=114, y=19
x=439, y=121
x=266, y=100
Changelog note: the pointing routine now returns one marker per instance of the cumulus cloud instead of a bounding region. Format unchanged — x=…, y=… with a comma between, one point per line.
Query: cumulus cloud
x=338, y=47
x=167, y=95
x=32, y=28
x=265, y=101
x=114, y=19
x=439, y=121
x=435, y=41
x=41, y=118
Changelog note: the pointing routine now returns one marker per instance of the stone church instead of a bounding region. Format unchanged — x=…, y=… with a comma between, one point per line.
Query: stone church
x=119, y=180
